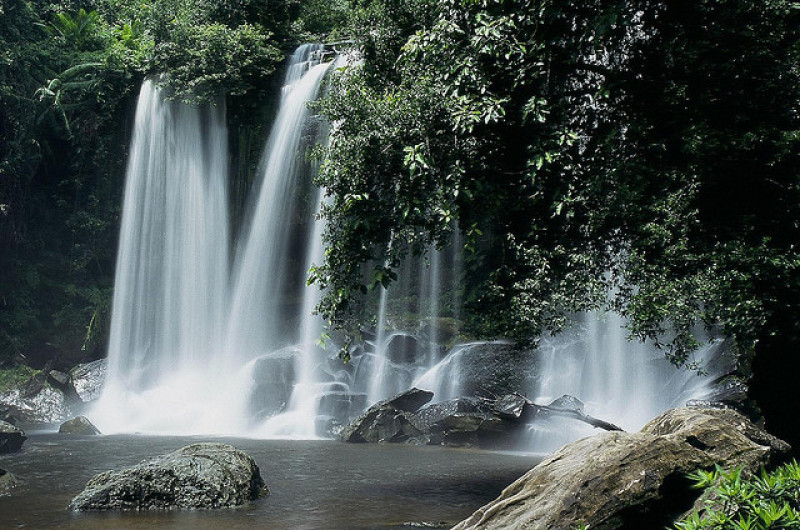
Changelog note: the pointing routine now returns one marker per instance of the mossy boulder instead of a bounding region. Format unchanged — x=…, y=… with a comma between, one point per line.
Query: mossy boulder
x=206, y=475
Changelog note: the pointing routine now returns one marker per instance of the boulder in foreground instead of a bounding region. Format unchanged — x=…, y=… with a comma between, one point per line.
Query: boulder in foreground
x=11, y=438
x=207, y=475
x=80, y=425
x=620, y=480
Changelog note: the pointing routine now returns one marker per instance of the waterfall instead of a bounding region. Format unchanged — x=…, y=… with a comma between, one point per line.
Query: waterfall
x=262, y=272
x=170, y=298
x=200, y=345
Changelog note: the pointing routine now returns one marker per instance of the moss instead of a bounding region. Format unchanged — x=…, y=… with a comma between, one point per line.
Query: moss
x=15, y=376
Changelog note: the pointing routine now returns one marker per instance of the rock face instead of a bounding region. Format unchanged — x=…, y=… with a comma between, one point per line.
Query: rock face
x=273, y=381
x=87, y=379
x=619, y=480
x=208, y=475
x=80, y=425
x=457, y=422
x=388, y=421
x=11, y=438
x=45, y=405
x=7, y=481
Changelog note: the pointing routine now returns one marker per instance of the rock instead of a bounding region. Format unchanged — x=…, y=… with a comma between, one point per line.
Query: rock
x=7, y=481
x=207, y=475
x=402, y=348
x=342, y=405
x=489, y=369
x=389, y=421
x=46, y=405
x=514, y=407
x=80, y=425
x=87, y=379
x=621, y=480
x=273, y=381
x=7, y=414
x=567, y=403
x=439, y=330
x=409, y=401
x=11, y=438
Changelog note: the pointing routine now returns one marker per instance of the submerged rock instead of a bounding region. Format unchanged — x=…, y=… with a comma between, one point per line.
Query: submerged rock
x=620, y=480
x=11, y=438
x=87, y=379
x=80, y=425
x=207, y=475
x=7, y=481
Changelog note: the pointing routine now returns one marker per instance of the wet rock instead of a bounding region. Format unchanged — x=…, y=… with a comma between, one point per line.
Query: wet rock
x=7, y=481
x=514, y=407
x=402, y=348
x=342, y=405
x=87, y=379
x=621, y=480
x=7, y=414
x=567, y=403
x=11, y=438
x=80, y=425
x=207, y=475
x=440, y=330
x=409, y=401
x=491, y=369
x=273, y=380
x=382, y=423
x=45, y=405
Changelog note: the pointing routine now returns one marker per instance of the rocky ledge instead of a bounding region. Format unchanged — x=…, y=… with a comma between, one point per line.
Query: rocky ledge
x=464, y=422
x=11, y=438
x=618, y=480
x=207, y=475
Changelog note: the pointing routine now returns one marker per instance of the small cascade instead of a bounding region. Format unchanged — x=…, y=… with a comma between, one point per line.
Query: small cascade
x=265, y=267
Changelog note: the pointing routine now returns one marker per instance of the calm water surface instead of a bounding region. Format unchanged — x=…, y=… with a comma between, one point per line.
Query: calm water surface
x=313, y=484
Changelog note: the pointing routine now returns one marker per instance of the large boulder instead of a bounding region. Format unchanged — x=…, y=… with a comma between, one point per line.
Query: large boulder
x=620, y=480
x=87, y=379
x=402, y=348
x=207, y=475
x=389, y=421
x=488, y=369
x=80, y=425
x=11, y=438
x=273, y=376
x=43, y=404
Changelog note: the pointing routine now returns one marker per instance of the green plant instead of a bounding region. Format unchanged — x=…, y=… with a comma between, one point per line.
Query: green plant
x=737, y=501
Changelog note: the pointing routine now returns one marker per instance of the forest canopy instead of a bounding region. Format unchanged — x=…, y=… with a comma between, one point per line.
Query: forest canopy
x=635, y=156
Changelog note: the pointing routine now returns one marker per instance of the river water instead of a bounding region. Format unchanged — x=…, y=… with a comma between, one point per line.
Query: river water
x=313, y=484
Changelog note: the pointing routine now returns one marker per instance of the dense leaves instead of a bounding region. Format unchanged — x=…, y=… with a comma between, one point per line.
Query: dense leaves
x=640, y=156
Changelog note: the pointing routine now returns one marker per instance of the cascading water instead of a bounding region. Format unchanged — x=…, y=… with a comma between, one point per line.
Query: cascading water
x=262, y=273
x=172, y=267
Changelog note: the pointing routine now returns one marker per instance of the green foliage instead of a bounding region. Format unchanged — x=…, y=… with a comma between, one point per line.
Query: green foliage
x=14, y=377
x=737, y=502
x=207, y=60
x=645, y=149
